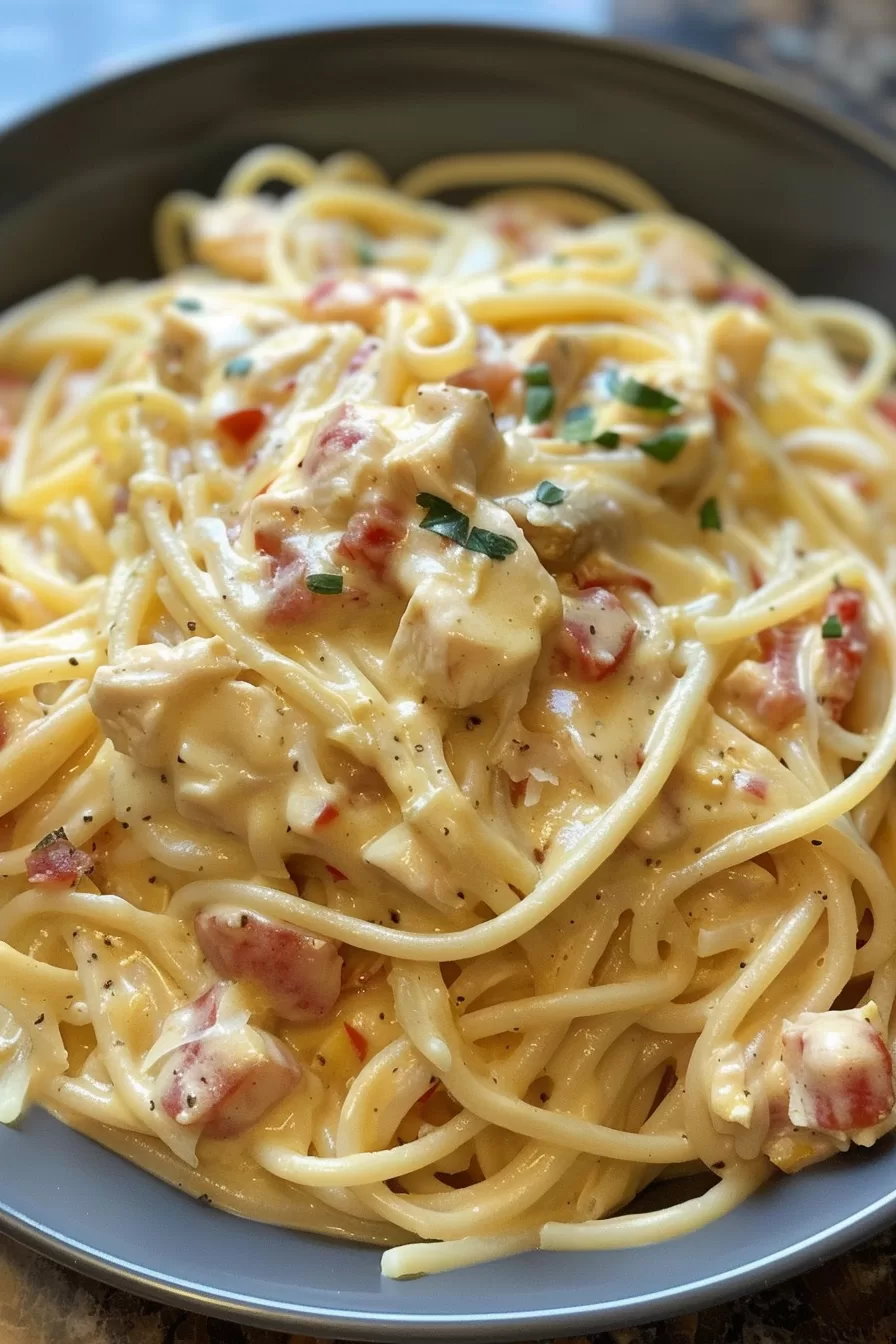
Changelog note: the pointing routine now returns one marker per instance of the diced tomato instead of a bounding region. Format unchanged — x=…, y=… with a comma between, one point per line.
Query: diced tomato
x=843, y=656
x=242, y=425
x=780, y=697
x=516, y=789
x=722, y=405
x=358, y=1040
x=364, y=352
x=301, y=973
x=740, y=291
x=755, y=785
x=336, y=873
x=372, y=535
x=56, y=862
x=596, y=635
x=840, y=1069
x=228, y=1074
x=886, y=406
x=291, y=599
x=327, y=814
x=493, y=377
x=340, y=433
x=356, y=299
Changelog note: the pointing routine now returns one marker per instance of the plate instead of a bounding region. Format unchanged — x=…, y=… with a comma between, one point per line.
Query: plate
x=803, y=194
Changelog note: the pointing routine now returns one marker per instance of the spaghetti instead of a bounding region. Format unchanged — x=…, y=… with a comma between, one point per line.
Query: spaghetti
x=447, y=709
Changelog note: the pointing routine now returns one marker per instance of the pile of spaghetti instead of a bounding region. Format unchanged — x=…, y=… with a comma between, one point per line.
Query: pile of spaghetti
x=446, y=678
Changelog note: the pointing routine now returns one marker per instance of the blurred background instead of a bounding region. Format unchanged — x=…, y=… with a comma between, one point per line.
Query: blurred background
x=838, y=52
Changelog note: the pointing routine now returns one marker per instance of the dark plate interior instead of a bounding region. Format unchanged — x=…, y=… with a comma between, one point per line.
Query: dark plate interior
x=809, y=199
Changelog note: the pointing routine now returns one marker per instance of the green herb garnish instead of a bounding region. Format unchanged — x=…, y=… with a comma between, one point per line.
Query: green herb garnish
x=710, y=518
x=188, y=305
x=539, y=392
x=550, y=494
x=366, y=255
x=578, y=425
x=608, y=439
x=492, y=544
x=324, y=583
x=238, y=368
x=444, y=518
x=447, y=521
x=633, y=393
x=831, y=628
x=666, y=445
x=537, y=375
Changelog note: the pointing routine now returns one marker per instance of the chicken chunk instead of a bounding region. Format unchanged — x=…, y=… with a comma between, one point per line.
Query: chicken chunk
x=197, y=335
x=679, y=265
x=563, y=533
x=231, y=235
x=567, y=355
x=840, y=1071
x=134, y=700
x=300, y=972
x=473, y=624
x=226, y=1074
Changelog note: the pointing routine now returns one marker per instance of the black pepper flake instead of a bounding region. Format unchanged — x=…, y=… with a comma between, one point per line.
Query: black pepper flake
x=244, y=921
x=152, y=880
x=73, y=662
x=204, y=1199
x=107, y=941
x=125, y=825
x=88, y=817
x=152, y=1105
x=473, y=722
x=107, y=984
x=180, y=760
x=418, y=746
x=191, y=1101
x=816, y=842
x=191, y=625
x=38, y=1020
x=146, y=818
x=295, y=766
x=164, y=778
x=395, y=916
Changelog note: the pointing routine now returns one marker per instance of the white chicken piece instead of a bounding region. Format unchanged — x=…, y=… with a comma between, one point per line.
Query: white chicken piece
x=226, y=1073
x=134, y=699
x=473, y=624
x=197, y=334
x=231, y=234
x=840, y=1072
x=228, y=750
x=567, y=355
x=344, y=459
x=563, y=533
x=451, y=445
x=739, y=340
x=300, y=972
x=679, y=266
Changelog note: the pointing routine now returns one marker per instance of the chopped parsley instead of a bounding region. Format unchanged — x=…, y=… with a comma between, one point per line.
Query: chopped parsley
x=366, y=255
x=633, y=393
x=238, y=368
x=444, y=518
x=492, y=544
x=447, y=521
x=710, y=518
x=831, y=628
x=188, y=305
x=324, y=583
x=537, y=375
x=550, y=494
x=666, y=445
x=578, y=425
x=539, y=392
